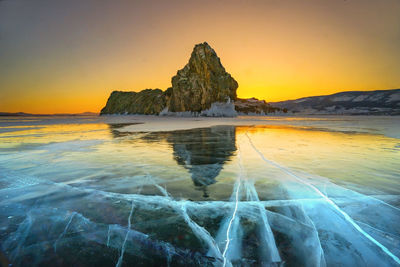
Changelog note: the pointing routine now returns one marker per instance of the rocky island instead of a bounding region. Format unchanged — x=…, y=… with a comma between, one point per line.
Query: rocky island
x=202, y=87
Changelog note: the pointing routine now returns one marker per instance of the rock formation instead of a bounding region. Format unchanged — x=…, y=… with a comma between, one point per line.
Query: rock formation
x=201, y=82
x=202, y=86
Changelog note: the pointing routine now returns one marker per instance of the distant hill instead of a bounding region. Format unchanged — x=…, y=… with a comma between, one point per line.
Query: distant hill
x=380, y=102
x=253, y=106
x=14, y=114
x=37, y=115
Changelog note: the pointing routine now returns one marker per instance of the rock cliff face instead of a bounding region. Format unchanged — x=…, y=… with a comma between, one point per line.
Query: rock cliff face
x=148, y=102
x=201, y=82
x=202, y=85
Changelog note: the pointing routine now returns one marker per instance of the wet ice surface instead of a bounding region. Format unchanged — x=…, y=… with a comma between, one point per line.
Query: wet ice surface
x=75, y=191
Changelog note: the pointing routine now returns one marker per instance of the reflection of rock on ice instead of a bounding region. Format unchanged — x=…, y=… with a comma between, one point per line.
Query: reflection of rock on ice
x=205, y=174
x=203, y=152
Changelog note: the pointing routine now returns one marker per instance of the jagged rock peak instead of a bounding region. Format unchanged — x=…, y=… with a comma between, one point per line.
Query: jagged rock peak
x=204, y=52
x=201, y=82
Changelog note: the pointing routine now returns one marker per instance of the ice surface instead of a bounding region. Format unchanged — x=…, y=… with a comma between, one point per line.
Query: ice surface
x=301, y=195
x=330, y=202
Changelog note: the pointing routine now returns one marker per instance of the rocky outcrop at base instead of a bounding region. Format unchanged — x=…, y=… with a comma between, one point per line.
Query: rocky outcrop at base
x=253, y=106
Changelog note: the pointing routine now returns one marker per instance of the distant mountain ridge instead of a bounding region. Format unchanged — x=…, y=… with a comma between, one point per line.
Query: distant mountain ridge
x=23, y=114
x=379, y=102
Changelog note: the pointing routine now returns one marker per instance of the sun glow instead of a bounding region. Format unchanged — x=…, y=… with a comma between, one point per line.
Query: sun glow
x=275, y=50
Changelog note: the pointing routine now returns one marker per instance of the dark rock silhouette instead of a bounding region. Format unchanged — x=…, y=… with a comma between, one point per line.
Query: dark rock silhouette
x=201, y=82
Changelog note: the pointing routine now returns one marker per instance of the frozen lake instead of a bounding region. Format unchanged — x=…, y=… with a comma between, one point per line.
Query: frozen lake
x=248, y=191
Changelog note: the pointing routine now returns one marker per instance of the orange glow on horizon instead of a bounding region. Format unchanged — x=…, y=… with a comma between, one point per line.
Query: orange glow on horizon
x=276, y=50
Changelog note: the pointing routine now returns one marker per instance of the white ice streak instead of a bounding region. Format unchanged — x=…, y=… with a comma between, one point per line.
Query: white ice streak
x=200, y=232
x=108, y=235
x=268, y=240
x=345, y=215
x=228, y=238
x=271, y=254
x=64, y=232
x=162, y=190
x=126, y=237
x=319, y=253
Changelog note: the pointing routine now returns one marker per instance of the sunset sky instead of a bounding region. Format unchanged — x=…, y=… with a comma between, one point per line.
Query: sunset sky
x=67, y=56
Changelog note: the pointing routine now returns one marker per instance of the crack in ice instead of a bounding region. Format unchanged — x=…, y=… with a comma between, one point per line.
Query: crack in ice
x=252, y=195
x=270, y=240
x=228, y=240
x=199, y=231
x=23, y=231
x=333, y=204
x=108, y=235
x=321, y=260
x=64, y=232
x=126, y=237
